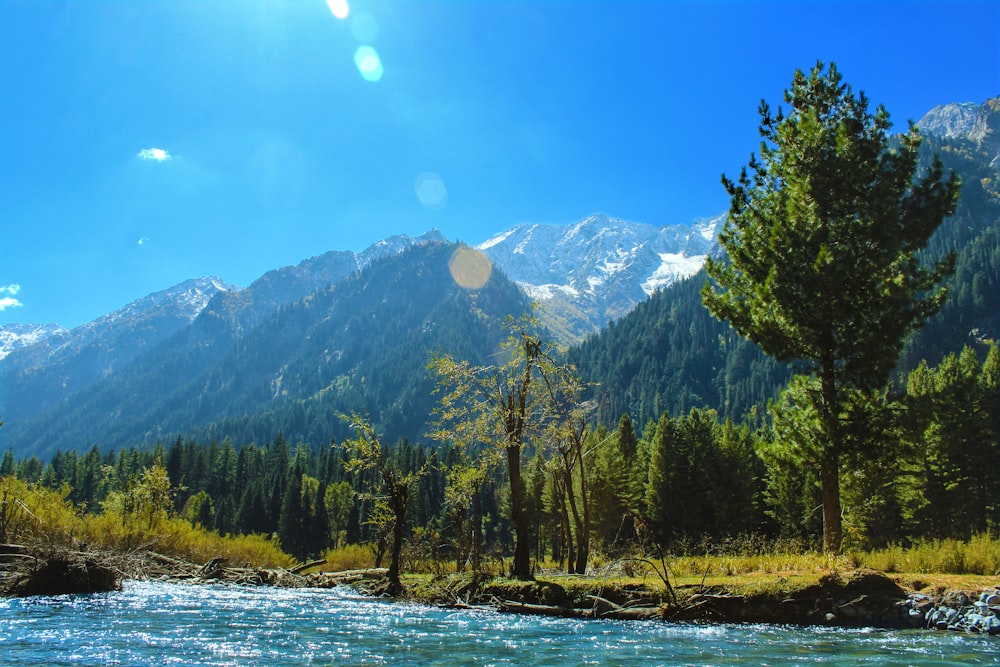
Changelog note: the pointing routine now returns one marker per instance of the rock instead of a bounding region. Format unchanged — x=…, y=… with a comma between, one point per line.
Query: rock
x=955, y=599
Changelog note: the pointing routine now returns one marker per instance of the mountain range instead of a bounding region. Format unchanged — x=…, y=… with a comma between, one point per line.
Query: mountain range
x=586, y=274
x=353, y=331
x=582, y=275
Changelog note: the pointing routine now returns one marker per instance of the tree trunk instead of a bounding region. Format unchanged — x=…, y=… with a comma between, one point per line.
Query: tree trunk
x=830, y=457
x=398, y=527
x=830, y=480
x=573, y=564
x=567, y=528
x=583, y=537
x=477, y=522
x=521, y=568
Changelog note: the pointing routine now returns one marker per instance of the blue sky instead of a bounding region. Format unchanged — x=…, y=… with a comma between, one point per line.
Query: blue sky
x=146, y=142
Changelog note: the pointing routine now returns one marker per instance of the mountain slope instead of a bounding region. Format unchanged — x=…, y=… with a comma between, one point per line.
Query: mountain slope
x=65, y=362
x=362, y=344
x=978, y=124
x=36, y=376
x=16, y=336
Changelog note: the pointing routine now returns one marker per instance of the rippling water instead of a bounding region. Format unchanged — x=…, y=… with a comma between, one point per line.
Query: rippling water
x=169, y=624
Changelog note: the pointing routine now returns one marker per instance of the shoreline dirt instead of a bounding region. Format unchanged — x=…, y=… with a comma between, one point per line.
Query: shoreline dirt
x=841, y=599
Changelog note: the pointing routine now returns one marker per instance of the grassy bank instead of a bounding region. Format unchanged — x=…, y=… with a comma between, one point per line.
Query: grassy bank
x=34, y=515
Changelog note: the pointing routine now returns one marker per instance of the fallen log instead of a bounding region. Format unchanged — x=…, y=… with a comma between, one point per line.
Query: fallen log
x=545, y=610
x=633, y=614
x=299, y=569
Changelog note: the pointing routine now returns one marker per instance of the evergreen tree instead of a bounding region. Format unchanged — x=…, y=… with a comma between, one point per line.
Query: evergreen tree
x=956, y=410
x=822, y=242
x=293, y=520
x=8, y=465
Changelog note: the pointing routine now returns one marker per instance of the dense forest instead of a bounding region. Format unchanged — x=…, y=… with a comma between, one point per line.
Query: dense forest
x=686, y=481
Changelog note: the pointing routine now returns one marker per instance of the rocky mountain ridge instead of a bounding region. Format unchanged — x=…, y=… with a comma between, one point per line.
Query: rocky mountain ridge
x=586, y=274
x=978, y=123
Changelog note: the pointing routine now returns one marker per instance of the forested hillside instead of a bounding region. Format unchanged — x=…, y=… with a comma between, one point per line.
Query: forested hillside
x=362, y=344
x=671, y=355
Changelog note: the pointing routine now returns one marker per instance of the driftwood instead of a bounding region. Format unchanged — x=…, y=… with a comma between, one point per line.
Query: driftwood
x=299, y=569
x=545, y=610
x=346, y=577
x=604, y=608
x=48, y=570
x=58, y=572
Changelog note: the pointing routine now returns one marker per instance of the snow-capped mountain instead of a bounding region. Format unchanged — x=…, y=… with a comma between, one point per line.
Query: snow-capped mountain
x=15, y=336
x=60, y=361
x=586, y=274
x=978, y=123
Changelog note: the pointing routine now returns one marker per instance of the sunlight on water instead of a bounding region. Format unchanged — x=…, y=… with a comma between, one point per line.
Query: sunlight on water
x=168, y=624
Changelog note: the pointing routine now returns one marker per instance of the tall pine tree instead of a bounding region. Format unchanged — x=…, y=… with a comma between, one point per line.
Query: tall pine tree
x=822, y=238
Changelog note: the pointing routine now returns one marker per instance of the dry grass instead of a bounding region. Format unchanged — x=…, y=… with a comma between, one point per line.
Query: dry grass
x=979, y=556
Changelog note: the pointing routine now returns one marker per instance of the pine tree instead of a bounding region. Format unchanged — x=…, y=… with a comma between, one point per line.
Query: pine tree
x=822, y=242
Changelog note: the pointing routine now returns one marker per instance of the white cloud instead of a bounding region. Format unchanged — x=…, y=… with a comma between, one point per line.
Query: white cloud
x=143, y=240
x=9, y=301
x=155, y=154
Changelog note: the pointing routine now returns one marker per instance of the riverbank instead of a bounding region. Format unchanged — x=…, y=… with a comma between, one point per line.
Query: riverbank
x=841, y=598
x=853, y=598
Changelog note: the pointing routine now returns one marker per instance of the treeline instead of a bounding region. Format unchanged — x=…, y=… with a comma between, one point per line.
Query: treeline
x=926, y=465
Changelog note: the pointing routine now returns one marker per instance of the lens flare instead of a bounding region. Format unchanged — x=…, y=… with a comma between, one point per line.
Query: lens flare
x=470, y=268
x=368, y=62
x=338, y=8
x=430, y=190
x=364, y=27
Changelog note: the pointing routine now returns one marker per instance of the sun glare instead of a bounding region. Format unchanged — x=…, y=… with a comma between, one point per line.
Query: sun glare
x=338, y=8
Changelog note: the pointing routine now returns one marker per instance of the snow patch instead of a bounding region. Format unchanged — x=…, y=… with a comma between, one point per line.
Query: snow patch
x=16, y=336
x=673, y=267
x=548, y=292
x=496, y=240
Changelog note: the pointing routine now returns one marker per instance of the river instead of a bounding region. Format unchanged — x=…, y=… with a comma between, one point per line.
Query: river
x=153, y=623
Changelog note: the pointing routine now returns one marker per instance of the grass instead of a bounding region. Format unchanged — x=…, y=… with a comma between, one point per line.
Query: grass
x=35, y=515
x=979, y=556
x=932, y=566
